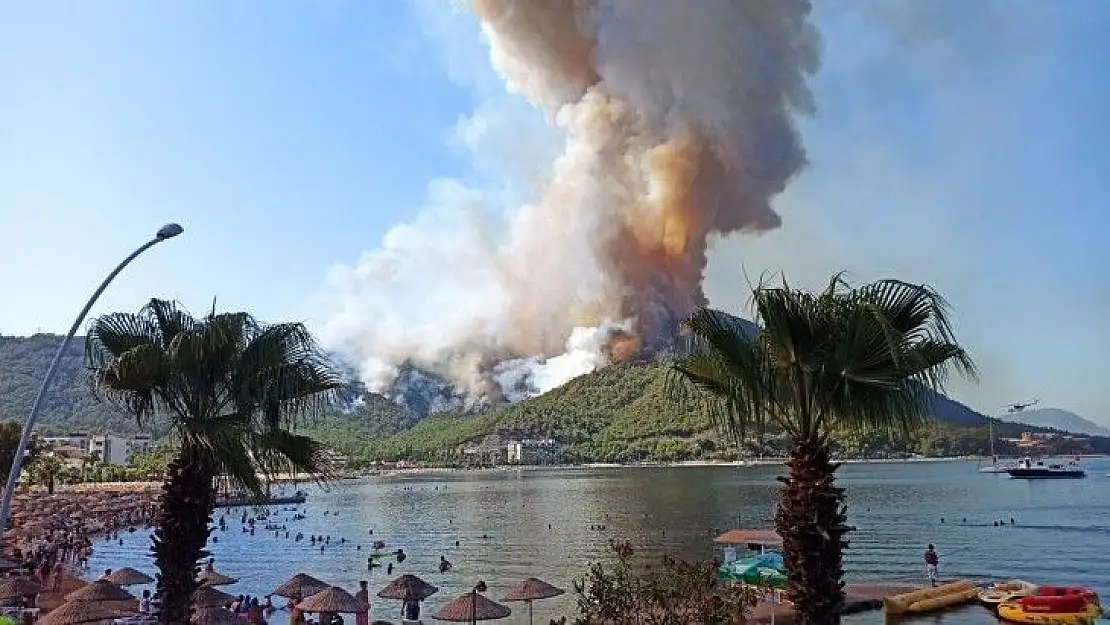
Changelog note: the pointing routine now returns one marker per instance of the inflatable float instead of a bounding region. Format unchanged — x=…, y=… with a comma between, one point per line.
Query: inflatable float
x=995, y=594
x=931, y=599
x=1053, y=605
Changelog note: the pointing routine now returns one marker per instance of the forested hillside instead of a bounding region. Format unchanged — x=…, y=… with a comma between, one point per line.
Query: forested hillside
x=70, y=404
x=618, y=414
x=621, y=414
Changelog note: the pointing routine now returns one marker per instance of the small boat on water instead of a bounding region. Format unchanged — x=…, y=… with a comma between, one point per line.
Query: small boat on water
x=996, y=468
x=1038, y=470
x=1053, y=605
x=992, y=596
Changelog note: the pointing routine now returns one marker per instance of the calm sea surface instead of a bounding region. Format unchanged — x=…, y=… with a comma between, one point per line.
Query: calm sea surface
x=1062, y=534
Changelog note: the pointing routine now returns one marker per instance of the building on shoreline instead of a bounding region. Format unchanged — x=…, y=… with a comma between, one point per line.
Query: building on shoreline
x=110, y=449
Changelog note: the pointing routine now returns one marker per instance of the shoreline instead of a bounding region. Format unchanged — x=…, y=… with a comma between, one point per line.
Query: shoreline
x=433, y=470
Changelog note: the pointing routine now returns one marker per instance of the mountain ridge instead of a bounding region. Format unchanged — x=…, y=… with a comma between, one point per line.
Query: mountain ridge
x=1058, y=419
x=618, y=413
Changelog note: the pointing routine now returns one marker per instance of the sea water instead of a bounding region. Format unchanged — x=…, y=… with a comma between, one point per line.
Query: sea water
x=552, y=523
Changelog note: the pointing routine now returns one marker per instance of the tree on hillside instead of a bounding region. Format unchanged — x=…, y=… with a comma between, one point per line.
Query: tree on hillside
x=231, y=389
x=841, y=360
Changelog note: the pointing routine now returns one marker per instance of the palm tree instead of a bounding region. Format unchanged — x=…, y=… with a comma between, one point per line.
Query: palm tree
x=845, y=360
x=231, y=389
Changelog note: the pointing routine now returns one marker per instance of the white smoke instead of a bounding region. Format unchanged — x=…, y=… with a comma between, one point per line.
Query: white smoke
x=677, y=122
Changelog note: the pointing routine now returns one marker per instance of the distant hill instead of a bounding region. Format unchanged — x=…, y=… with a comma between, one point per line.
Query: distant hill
x=1058, y=419
x=617, y=414
x=621, y=414
x=71, y=405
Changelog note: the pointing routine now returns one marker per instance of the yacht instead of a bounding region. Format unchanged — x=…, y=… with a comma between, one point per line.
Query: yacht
x=1038, y=470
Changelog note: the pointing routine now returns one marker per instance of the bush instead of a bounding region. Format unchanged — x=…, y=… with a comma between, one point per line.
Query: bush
x=672, y=592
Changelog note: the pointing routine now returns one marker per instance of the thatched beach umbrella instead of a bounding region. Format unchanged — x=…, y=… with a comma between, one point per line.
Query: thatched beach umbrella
x=209, y=596
x=100, y=591
x=212, y=577
x=333, y=600
x=214, y=615
x=300, y=586
x=472, y=607
x=408, y=587
x=532, y=589
x=73, y=612
x=128, y=576
x=17, y=588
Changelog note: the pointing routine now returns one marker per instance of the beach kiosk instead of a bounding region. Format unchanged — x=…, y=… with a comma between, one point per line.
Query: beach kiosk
x=754, y=558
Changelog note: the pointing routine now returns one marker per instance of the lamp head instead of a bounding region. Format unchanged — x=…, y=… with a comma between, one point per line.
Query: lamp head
x=169, y=231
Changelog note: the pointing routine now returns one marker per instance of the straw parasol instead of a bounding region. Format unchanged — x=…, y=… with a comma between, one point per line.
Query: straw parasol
x=532, y=589
x=73, y=612
x=16, y=587
x=209, y=596
x=333, y=600
x=408, y=587
x=212, y=577
x=128, y=576
x=300, y=586
x=472, y=607
x=214, y=615
x=100, y=591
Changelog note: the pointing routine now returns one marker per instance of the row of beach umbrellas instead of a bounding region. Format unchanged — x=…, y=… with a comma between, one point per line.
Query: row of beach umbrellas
x=318, y=596
x=106, y=598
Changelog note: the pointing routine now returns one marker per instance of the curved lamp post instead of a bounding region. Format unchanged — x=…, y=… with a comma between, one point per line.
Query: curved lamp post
x=167, y=231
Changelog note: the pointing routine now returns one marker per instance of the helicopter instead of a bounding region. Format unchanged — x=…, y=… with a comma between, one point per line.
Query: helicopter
x=1011, y=408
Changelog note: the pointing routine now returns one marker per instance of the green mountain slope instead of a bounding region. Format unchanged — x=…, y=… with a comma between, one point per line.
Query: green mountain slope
x=621, y=414
x=618, y=414
x=71, y=405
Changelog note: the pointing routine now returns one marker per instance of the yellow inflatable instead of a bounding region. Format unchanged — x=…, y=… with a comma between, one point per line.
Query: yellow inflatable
x=1012, y=612
x=930, y=599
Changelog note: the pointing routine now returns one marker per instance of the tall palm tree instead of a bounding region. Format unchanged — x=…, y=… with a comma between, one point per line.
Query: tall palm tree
x=230, y=389
x=842, y=360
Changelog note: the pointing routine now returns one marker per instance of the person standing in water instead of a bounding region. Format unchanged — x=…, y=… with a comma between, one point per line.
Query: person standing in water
x=932, y=561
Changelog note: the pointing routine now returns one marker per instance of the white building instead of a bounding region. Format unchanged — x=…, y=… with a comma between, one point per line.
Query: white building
x=118, y=450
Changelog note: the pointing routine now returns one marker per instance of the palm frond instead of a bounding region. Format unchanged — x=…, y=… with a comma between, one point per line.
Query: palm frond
x=841, y=359
x=723, y=365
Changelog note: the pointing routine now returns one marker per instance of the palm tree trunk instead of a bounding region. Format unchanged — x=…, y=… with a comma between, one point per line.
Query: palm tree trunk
x=811, y=520
x=182, y=532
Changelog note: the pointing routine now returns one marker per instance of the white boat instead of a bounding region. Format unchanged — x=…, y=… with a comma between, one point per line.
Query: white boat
x=993, y=595
x=1038, y=470
x=995, y=468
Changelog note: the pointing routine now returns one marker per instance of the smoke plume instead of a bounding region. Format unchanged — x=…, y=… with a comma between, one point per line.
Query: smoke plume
x=678, y=123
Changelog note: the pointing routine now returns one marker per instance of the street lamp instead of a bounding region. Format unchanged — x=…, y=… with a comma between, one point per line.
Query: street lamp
x=167, y=231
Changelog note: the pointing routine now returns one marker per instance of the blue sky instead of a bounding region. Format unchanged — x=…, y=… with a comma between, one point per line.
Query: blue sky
x=963, y=144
